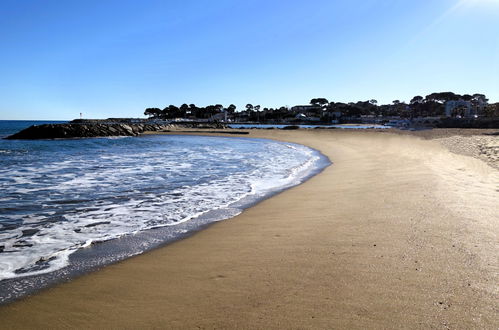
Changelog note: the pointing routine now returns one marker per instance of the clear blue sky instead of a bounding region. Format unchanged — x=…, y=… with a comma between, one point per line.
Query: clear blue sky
x=115, y=58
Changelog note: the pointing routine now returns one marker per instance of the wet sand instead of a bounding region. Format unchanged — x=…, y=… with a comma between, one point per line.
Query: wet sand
x=398, y=233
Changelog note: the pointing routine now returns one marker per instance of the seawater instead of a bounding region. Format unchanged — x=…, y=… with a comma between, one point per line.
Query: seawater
x=59, y=197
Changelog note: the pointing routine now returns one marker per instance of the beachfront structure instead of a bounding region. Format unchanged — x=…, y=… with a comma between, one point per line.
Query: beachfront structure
x=306, y=109
x=466, y=109
x=457, y=108
x=302, y=116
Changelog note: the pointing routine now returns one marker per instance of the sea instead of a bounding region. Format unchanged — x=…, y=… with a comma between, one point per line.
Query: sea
x=70, y=206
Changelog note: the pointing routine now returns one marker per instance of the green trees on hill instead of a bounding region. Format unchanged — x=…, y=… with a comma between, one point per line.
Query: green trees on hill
x=419, y=106
x=431, y=105
x=188, y=111
x=153, y=112
x=185, y=110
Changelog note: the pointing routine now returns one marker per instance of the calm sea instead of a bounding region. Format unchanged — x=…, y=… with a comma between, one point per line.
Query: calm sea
x=58, y=198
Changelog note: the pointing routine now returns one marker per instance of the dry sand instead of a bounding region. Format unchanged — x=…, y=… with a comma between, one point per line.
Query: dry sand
x=397, y=233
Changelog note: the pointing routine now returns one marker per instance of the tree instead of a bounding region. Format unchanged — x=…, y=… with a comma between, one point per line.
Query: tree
x=416, y=105
x=170, y=112
x=321, y=102
x=442, y=97
x=416, y=99
x=211, y=110
x=153, y=112
x=183, y=110
x=398, y=109
x=249, y=107
x=257, y=109
x=196, y=111
x=480, y=98
x=231, y=108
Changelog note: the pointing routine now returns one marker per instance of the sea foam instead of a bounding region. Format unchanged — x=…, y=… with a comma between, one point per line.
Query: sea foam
x=59, y=197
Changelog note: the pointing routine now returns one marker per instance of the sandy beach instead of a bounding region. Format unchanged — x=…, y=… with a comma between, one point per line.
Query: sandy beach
x=401, y=231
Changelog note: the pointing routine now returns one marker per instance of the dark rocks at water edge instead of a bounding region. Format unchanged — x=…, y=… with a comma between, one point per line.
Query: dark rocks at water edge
x=100, y=128
x=72, y=130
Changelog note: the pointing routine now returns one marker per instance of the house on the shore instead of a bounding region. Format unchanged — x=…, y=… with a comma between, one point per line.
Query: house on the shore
x=464, y=109
x=455, y=108
x=308, y=110
x=303, y=117
x=221, y=116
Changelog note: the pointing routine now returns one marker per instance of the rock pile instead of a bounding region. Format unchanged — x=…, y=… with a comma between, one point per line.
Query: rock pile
x=70, y=130
x=97, y=129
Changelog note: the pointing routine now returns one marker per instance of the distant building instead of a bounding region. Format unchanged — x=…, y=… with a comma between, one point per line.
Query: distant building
x=458, y=108
x=465, y=109
x=306, y=108
x=303, y=117
x=222, y=116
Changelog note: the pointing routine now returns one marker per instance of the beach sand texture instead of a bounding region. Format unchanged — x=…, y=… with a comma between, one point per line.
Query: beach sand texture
x=398, y=233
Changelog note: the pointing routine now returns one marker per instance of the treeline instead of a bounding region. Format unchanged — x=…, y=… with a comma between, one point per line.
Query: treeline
x=188, y=110
x=432, y=105
x=193, y=111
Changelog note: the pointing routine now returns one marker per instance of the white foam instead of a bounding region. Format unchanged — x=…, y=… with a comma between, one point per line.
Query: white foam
x=97, y=198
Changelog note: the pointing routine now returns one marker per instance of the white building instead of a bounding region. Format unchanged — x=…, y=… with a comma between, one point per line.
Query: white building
x=458, y=108
x=466, y=109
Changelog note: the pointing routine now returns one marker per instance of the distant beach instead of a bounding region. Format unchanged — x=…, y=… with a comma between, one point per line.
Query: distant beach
x=400, y=232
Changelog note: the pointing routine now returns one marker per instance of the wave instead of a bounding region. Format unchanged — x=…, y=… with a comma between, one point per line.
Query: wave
x=63, y=197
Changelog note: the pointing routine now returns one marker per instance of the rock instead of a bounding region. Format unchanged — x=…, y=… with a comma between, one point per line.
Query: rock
x=96, y=128
x=64, y=131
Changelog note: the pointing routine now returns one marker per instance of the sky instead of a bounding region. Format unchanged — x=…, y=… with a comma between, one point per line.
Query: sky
x=115, y=58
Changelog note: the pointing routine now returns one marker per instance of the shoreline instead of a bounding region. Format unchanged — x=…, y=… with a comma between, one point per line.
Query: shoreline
x=104, y=253
x=377, y=239
x=100, y=254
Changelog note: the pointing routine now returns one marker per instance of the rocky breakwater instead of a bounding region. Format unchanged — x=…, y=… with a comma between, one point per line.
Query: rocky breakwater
x=81, y=130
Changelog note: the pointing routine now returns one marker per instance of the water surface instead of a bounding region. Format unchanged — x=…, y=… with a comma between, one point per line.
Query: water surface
x=58, y=197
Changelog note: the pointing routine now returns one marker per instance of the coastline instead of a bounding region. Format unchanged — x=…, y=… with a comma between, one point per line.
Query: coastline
x=399, y=232
x=104, y=253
